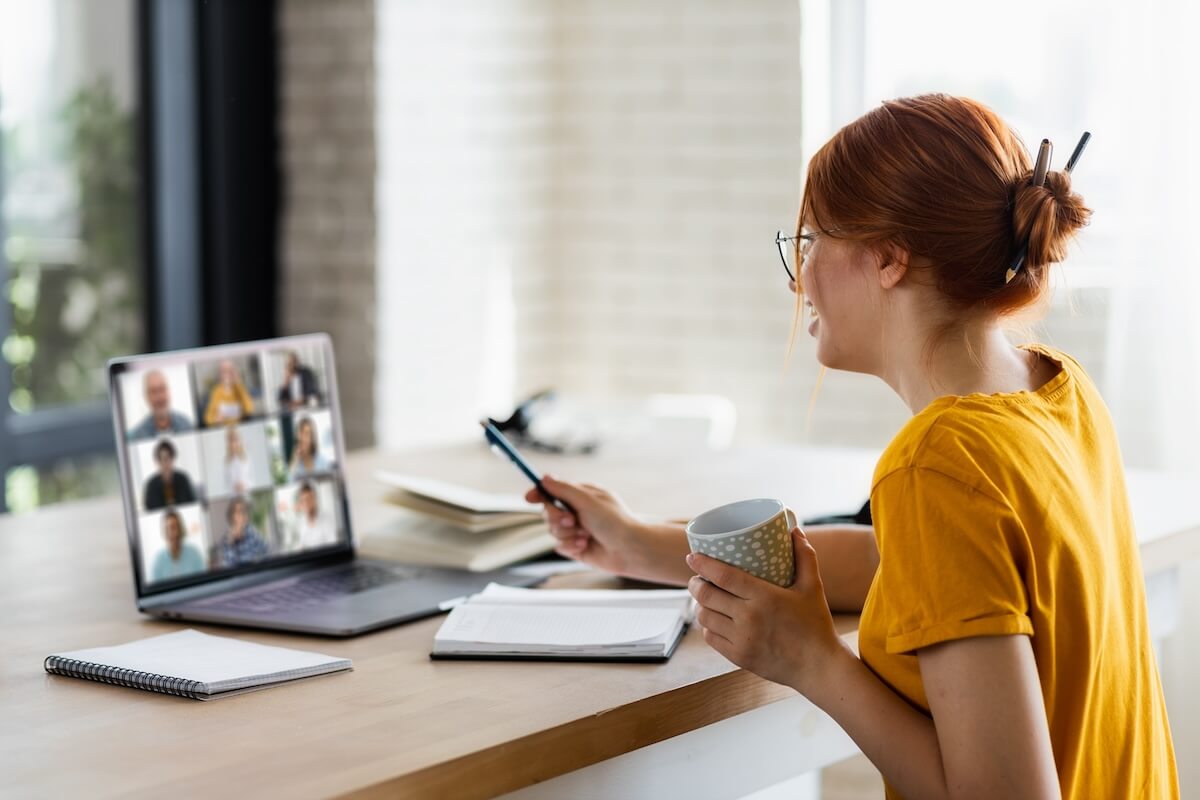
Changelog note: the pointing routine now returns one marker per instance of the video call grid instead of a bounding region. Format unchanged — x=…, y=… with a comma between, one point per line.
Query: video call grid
x=275, y=393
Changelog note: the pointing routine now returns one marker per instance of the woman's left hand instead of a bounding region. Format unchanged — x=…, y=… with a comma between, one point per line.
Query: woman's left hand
x=786, y=635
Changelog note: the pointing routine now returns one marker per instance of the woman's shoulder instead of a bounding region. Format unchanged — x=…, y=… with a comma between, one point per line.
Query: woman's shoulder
x=972, y=437
x=921, y=442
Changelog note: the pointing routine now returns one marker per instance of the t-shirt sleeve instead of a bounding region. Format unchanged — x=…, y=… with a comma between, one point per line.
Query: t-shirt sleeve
x=951, y=561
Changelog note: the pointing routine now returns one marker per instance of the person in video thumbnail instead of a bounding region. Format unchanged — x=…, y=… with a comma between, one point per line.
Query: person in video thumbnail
x=162, y=418
x=306, y=458
x=299, y=387
x=237, y=465
x=180, y=558
x=244, y=543
x=311, y=526
x=169, y=486
x=229, y=402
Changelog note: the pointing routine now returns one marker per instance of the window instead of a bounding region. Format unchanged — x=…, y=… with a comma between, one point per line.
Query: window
x=1120, y=70
x=70, y=265
x=138, y=143
x=1048, y=69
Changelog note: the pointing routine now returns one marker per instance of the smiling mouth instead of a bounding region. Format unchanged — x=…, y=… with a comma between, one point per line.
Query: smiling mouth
x=812, y=310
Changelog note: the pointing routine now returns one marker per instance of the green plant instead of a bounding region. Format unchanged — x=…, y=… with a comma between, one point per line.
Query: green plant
x=74, y=277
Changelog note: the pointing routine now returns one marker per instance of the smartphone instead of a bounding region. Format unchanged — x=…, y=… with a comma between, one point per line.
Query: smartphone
x=504, y=447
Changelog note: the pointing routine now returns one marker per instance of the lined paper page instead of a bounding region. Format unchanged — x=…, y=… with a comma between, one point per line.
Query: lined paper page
x=555, y=627
x=496, y=594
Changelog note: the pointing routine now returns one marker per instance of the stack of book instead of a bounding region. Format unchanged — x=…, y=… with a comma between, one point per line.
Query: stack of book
x=447, y=525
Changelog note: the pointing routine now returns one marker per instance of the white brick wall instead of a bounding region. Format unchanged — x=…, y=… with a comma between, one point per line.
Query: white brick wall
x=575, y=195
x=327, y=133
x=676, y=159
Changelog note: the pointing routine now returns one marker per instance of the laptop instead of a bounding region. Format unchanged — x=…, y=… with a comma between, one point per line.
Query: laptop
x=236, y=503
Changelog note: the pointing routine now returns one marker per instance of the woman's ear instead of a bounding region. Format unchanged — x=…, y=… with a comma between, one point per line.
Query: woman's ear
x=893, y=265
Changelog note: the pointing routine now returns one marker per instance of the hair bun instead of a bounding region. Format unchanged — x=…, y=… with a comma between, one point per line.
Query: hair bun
x=1047, y=217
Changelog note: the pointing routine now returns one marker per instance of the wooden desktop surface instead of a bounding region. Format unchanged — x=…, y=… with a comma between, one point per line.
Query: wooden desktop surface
x=399, y=724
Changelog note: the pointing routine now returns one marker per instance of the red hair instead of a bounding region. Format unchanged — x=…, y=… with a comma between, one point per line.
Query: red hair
x=945, y=179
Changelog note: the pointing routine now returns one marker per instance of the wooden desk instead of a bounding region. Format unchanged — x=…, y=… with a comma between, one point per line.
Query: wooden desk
x=400, y=724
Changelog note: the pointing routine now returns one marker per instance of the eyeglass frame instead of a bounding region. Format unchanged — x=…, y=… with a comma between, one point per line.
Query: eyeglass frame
x=780, y=239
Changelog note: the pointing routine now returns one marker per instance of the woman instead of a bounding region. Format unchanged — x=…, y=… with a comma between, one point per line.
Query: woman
x=243, y=543
x=311, y=525
x=230, y=402
x=306, y=458
x=237, y=465
x=1004, y=638
x=180, y=558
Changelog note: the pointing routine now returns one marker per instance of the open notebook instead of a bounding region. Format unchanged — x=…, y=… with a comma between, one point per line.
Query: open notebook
x=504, y=622
x=193, y=664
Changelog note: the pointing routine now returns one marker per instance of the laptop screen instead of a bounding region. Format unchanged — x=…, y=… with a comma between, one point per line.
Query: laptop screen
x=230, y=458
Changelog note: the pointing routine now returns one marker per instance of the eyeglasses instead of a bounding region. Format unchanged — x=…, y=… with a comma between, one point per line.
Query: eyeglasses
x=788, y=254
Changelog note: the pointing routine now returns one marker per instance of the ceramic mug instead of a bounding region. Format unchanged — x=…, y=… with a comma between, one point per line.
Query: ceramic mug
x=753, y=535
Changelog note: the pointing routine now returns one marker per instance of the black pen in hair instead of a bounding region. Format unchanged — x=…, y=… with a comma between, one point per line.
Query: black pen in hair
x=1077, y=152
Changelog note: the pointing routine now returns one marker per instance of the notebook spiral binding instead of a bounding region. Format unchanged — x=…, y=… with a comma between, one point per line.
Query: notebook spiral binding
x=116, y=676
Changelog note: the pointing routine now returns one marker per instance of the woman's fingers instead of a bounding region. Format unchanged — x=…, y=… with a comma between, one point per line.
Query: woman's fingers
x=555, y=517
x=711, y=596
x=561, y=521
x=566, y=536
x=716, y=622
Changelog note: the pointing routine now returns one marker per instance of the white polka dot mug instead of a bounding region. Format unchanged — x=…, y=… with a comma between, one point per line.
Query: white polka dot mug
x=754, y=535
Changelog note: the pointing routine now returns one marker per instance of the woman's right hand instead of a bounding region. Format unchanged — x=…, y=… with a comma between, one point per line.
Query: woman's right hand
x=602, y=533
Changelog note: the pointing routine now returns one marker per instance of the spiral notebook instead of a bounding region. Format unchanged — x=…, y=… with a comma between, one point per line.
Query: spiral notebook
x=193, y=664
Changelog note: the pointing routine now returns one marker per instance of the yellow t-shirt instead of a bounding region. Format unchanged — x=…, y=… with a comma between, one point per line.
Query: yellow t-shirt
x=1007, y=514
x=228, y=405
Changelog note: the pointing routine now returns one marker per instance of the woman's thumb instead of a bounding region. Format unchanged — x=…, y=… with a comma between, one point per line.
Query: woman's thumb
x=806, y=558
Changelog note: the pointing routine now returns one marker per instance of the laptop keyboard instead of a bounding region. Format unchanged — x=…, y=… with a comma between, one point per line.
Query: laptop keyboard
x=309, y=590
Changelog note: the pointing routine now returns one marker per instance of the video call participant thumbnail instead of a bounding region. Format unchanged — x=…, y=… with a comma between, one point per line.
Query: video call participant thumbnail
x=243, y=543
x=162, y=418
x=180, y=558
x=299, y=387
x=169, y=486
x=229, y=402
x=306, y=457
x=312, y=526
x=237, y=464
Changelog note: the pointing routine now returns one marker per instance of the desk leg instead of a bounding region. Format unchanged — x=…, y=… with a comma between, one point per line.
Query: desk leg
x=728, y=759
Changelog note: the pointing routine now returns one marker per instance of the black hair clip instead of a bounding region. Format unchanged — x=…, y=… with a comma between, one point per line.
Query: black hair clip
x=1040, y=168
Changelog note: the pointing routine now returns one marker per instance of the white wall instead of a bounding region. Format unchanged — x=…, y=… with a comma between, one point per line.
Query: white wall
x=675, y=159
x=585, y=196
x=464, y=107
